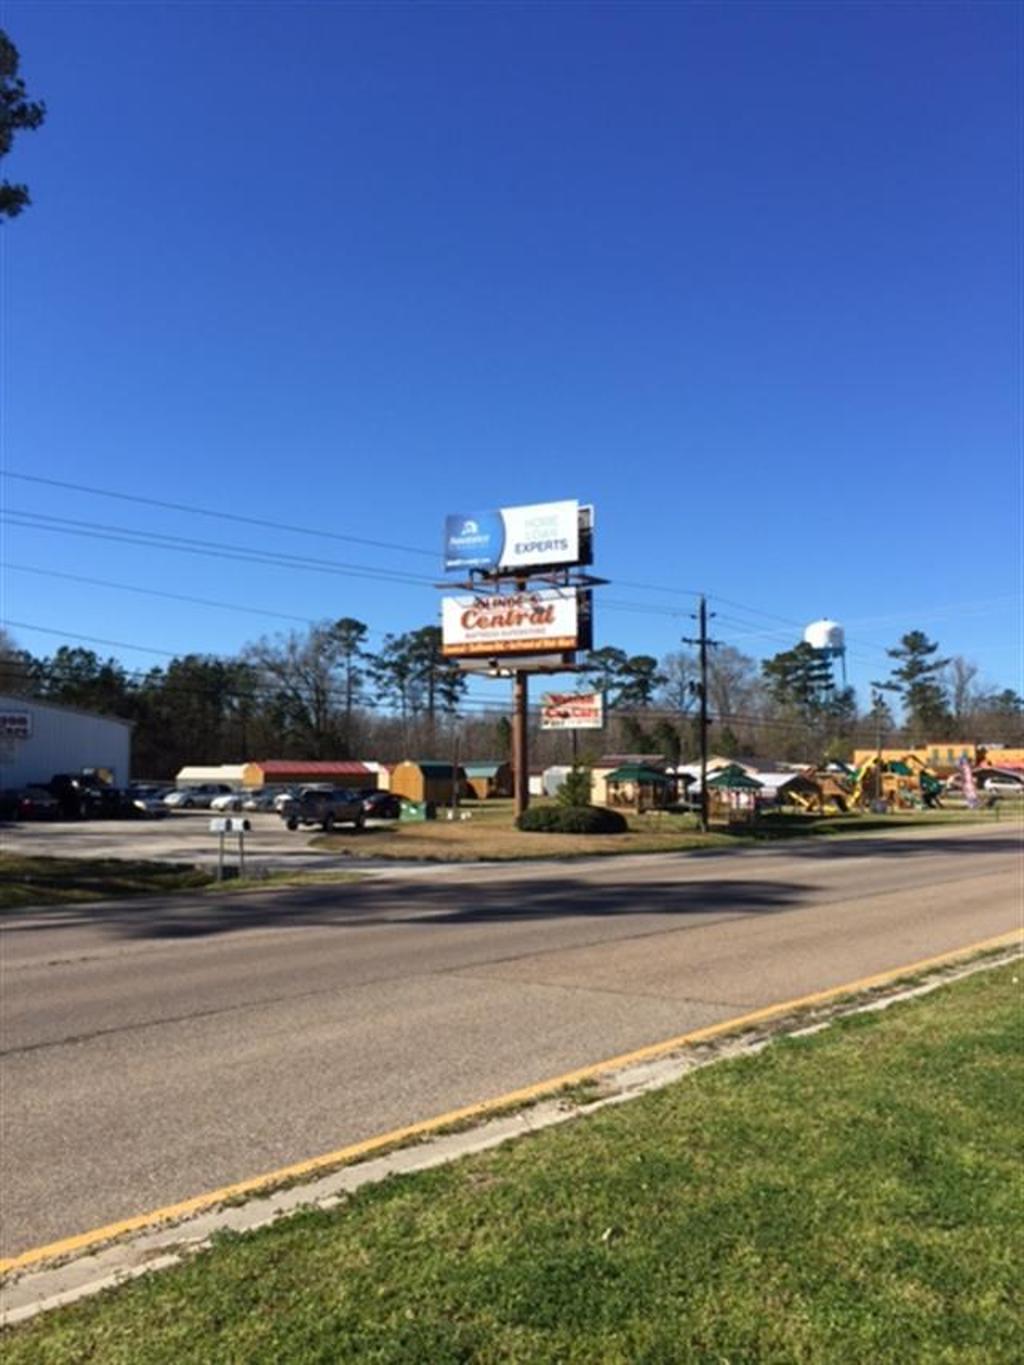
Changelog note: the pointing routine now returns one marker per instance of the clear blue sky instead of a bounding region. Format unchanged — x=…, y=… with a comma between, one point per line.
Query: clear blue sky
x=746, y=277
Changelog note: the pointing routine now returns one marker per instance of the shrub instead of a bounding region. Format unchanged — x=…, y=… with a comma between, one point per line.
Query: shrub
x=575, y=790
x=572, y=820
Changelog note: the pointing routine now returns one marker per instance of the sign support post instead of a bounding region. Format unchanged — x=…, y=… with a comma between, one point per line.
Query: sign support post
x=527, y=608
x=520, y=747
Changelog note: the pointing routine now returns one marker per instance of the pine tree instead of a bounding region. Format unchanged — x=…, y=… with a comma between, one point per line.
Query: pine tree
x=916, y=679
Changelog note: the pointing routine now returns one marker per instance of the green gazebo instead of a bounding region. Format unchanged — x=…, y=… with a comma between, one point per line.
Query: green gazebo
x=734, y=792
x=642, y=788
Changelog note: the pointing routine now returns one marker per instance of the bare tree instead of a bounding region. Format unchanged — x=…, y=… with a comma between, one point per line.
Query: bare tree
x=964, y=693
x=681, y=673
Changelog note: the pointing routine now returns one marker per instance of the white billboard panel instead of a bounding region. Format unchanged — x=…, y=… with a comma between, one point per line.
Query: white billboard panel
x=572, y=711
x=544, y=622
x=544, y=534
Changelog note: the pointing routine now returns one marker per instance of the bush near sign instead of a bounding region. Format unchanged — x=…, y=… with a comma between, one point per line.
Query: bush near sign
x=572, y=711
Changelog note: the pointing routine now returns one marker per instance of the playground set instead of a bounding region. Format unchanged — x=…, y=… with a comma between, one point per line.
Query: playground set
x=886, y=783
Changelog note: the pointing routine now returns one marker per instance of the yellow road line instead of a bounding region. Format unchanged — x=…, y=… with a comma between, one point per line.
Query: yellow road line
x=346, y=1155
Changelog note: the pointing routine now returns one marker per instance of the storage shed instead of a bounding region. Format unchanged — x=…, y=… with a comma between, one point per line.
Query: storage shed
x=286, y=772
x=488, y=779
x=427, y=780
x=197, y=775
x=39, y=740
x=553, y=779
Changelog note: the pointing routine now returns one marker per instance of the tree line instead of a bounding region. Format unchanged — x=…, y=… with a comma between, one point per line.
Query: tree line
x=323, y=693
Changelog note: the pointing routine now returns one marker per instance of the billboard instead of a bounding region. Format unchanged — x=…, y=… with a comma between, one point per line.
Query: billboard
x=543, y=535
x=572, y=711
x=549, y=621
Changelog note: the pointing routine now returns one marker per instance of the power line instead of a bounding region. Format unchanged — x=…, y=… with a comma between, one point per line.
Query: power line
x=156, y=592
x=367, y=571
x=214, y=549
x=268, y=688
x=194, y=510
x=125, y=535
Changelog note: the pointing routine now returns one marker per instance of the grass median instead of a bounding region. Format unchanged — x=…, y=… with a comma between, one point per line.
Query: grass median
x=486, y=831
x=853, y=1195
x=28, y=880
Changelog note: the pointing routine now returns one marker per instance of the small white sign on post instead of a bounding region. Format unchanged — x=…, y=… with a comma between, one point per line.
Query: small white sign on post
x=222, y=825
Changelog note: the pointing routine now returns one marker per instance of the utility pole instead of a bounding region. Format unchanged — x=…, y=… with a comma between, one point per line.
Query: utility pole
x=703, y=644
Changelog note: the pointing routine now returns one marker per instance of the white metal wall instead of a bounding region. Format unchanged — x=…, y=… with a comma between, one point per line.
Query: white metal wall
x=62, y=741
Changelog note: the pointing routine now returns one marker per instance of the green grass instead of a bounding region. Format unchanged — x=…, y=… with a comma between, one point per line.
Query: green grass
x=29, y=880
x=489, y=833
x=851, y=1196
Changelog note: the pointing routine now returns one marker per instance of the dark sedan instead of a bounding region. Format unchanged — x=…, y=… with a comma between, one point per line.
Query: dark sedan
x=382, y=806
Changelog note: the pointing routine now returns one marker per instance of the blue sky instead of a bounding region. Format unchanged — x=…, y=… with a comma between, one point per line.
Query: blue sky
x=746, y=277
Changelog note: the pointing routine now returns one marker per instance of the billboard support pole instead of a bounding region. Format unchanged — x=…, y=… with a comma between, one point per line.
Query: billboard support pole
x=520, y=743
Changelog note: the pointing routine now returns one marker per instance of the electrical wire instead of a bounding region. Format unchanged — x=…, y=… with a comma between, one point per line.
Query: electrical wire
x=156, y=592
x=214, y=549
x=194, y=510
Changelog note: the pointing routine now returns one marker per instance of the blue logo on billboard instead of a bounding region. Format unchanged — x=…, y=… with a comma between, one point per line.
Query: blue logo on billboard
x=473, y=541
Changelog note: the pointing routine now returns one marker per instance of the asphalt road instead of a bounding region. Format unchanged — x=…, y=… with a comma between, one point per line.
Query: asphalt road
x=155, y=1050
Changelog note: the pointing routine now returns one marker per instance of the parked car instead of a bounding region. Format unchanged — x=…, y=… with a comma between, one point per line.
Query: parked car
x=37, y=803
x=147, y=803
x=81, y=796
x=229, y=801
x=323, y=806
x=196, y=798
x=264, y=799
x=1004, y=786
x=382, y=806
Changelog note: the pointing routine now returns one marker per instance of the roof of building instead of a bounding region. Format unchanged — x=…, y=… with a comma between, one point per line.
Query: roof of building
x=774, y=782
x=734, y=778
x=211, y=772
x=432, y=767
x=618, y=760
x=319, y=767
x=637, y=772
x=483, y=769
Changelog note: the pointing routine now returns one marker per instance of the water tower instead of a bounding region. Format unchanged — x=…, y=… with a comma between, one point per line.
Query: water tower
x=829, y=640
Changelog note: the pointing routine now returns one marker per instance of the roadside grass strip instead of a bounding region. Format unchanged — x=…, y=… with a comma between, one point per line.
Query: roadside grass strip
x=848, y=1194
x=489, y=833
x=32, y=880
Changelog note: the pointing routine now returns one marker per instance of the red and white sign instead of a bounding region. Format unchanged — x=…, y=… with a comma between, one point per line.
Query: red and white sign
x=510, y=623
x=572, y=711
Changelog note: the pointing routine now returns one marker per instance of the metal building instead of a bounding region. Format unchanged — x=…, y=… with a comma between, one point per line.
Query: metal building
x=38, y=739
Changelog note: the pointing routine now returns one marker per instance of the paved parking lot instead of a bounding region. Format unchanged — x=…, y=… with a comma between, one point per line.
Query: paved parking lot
x=182, y=836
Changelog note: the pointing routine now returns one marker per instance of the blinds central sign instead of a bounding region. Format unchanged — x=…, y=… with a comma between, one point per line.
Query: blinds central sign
x=572, y=711
x=542, y=622
x=544, y=534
